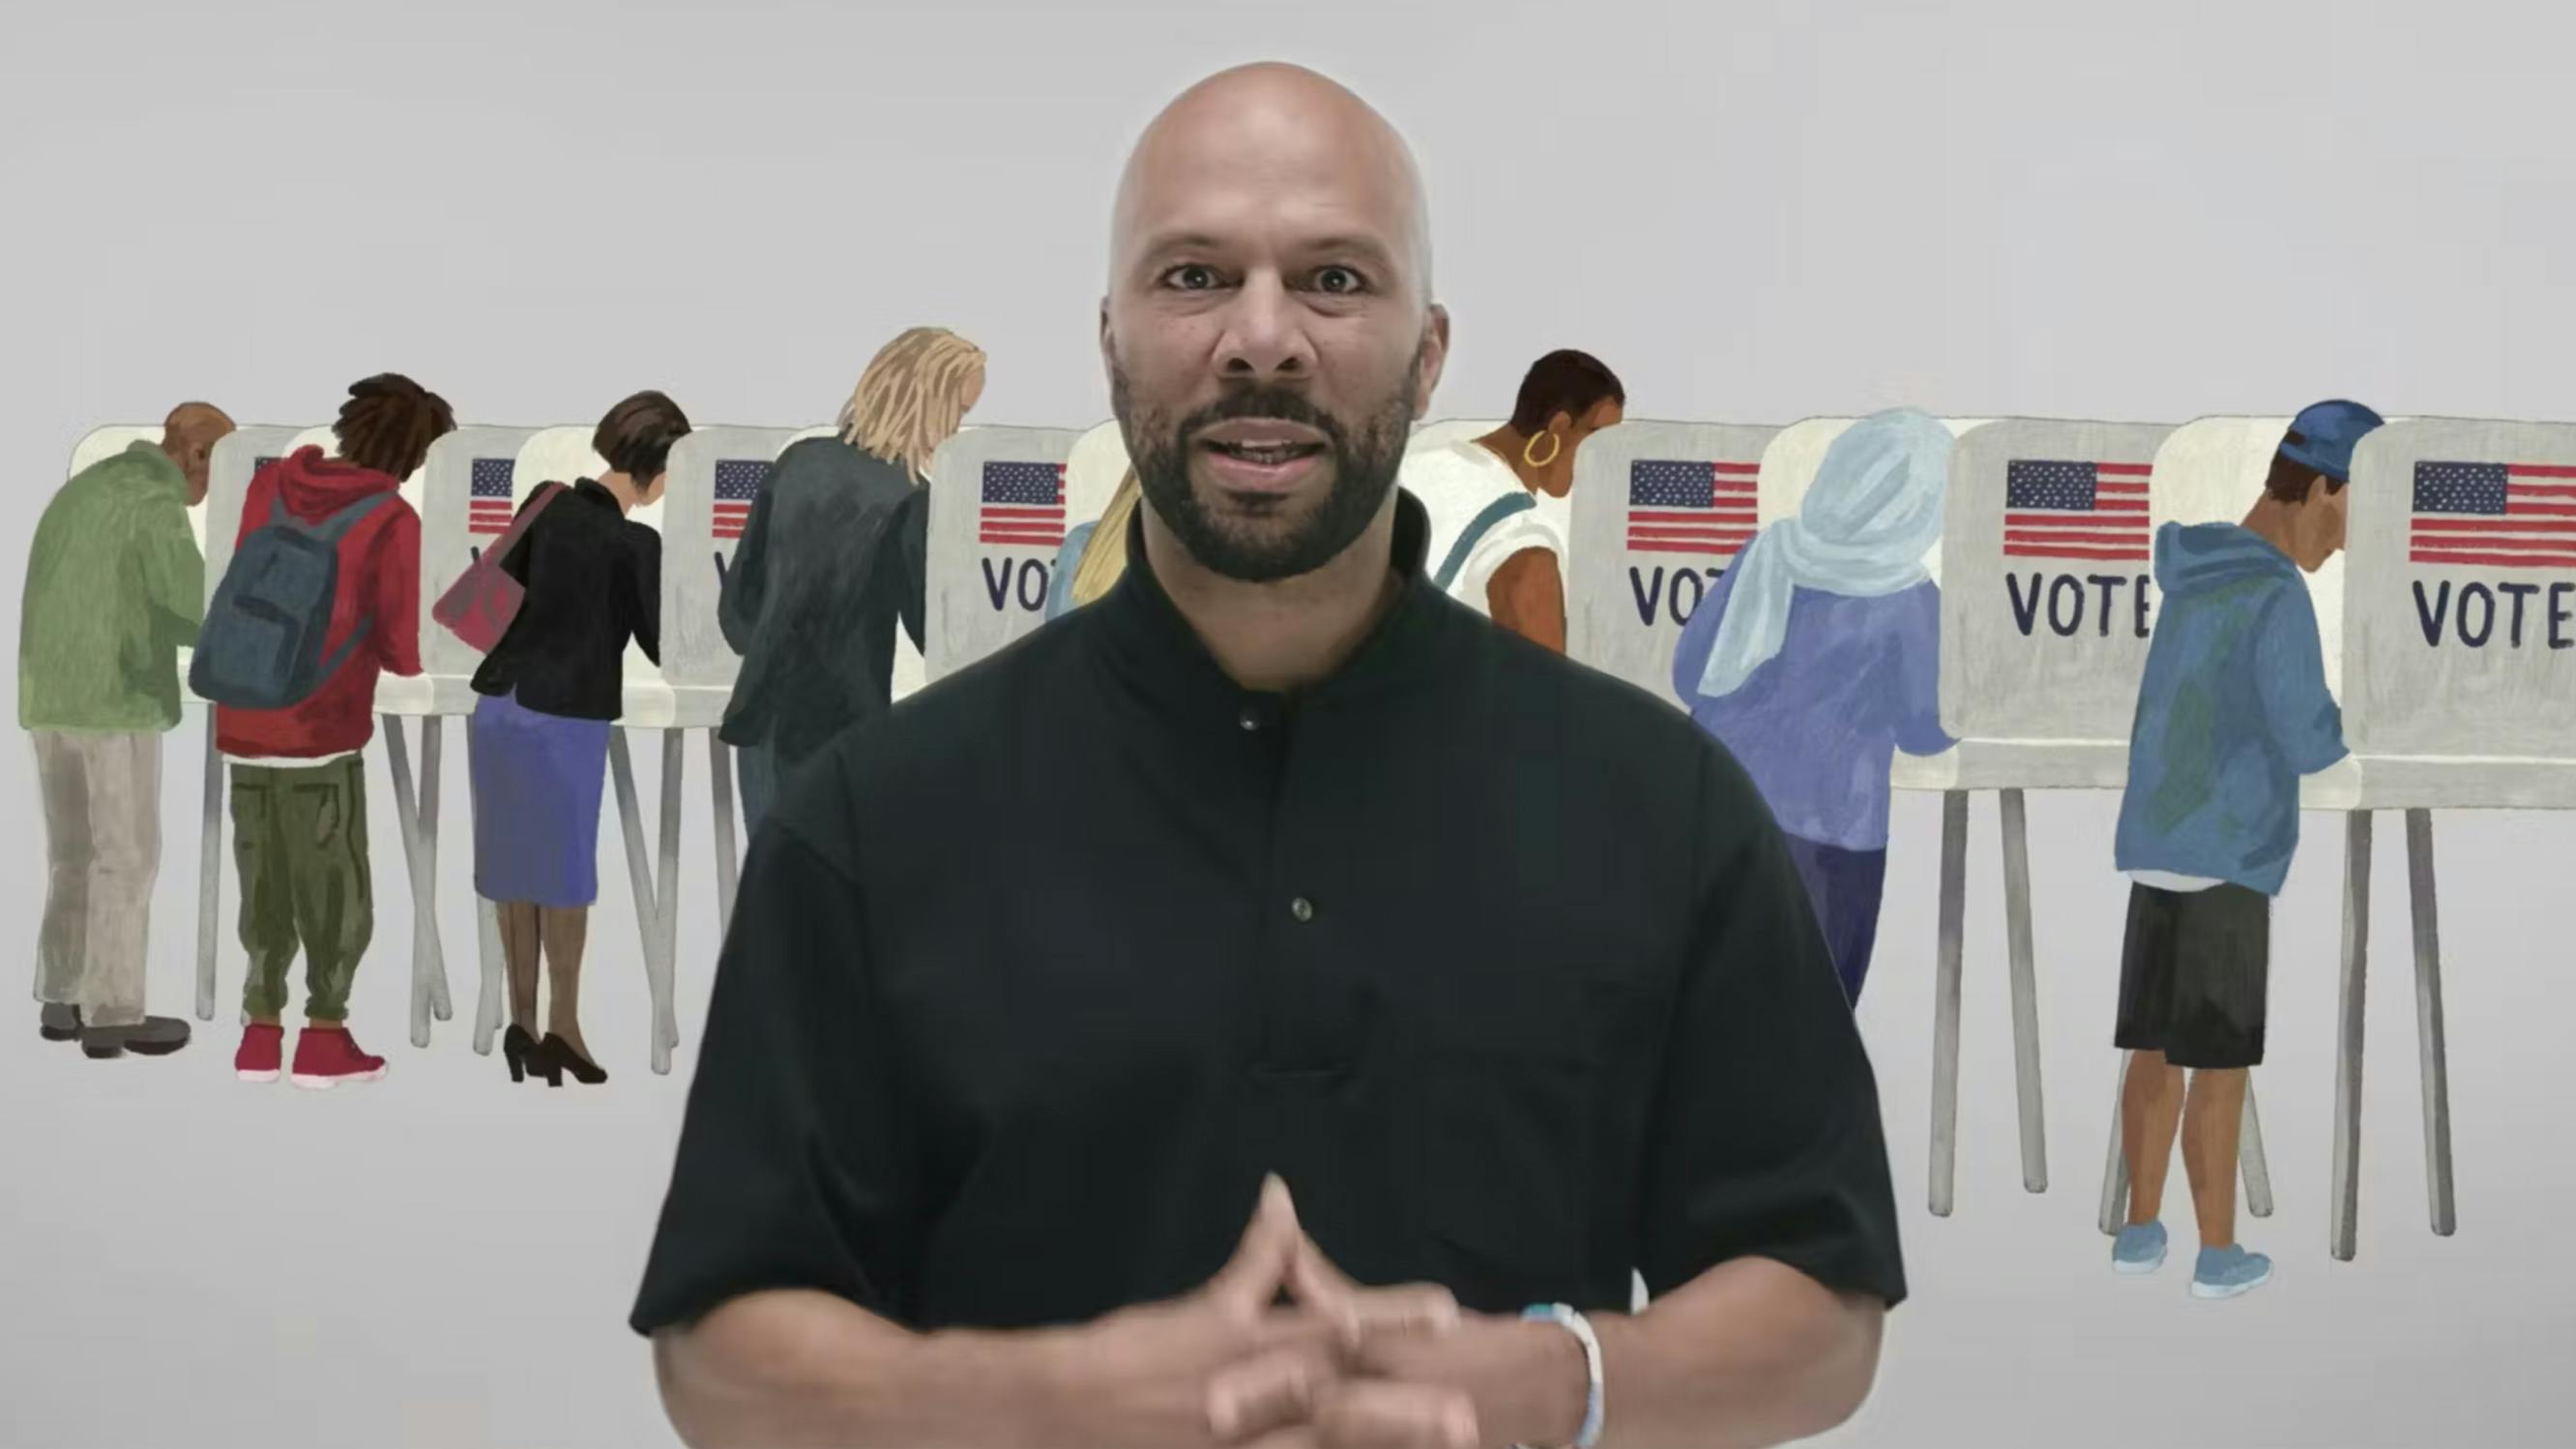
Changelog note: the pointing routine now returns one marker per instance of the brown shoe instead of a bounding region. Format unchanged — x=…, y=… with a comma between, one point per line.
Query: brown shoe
x=59, y=1022
x=153, y=1036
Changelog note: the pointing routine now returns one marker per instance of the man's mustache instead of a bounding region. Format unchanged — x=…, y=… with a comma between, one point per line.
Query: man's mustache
x=1282, y=404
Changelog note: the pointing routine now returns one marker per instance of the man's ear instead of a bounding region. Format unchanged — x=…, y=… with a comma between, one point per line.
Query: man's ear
x=1435, y=358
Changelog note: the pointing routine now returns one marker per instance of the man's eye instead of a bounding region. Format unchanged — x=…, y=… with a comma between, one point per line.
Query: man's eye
x=1338, y=280
x=1193, y=277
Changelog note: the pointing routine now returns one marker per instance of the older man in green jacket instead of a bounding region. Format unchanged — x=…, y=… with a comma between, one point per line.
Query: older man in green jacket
x=115, y=587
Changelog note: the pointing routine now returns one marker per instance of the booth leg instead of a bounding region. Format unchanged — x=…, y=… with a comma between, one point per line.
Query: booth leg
x=2025, y=993
x=210, y=873
x=2343, y=1234
x=1945, y=1009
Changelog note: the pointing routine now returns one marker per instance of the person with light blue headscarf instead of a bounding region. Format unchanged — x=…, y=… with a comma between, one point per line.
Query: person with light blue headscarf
x=1818, y=656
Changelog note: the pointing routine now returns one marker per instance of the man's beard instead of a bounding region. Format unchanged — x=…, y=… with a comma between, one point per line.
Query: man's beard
x=1364, y=469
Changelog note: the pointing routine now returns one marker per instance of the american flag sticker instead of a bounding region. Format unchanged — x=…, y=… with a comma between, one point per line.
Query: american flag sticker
x=1691, y=507
x=1023, y=504
x=2493, y=515
x=738, y=482
x=2076, y=511
x=487, y=500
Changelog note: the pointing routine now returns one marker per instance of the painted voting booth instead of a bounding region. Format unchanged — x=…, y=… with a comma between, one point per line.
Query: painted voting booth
x=998, y=514
x=1659, y=511
x=716, y=474
x=2458, y=682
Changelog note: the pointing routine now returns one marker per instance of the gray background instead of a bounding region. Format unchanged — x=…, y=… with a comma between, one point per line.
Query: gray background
x=2148, y=213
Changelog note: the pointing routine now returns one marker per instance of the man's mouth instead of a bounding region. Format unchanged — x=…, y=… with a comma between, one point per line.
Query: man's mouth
x=1266, y=454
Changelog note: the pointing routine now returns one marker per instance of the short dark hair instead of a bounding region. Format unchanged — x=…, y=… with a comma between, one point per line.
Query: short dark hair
x=389, y=422
x=636, y=435
x=2291, y=479
x=1564, y=381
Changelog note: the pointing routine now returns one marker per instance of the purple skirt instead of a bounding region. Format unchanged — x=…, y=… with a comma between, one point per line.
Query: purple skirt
x=537, y=781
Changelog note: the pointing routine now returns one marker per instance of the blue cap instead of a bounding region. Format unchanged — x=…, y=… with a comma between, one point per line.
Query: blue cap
x=2322, y=436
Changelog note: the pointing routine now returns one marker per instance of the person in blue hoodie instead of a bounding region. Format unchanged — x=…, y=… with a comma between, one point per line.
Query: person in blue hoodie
x=2232, y=710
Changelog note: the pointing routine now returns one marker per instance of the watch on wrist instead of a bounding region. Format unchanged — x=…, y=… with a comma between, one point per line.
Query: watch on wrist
x=1575, y=1323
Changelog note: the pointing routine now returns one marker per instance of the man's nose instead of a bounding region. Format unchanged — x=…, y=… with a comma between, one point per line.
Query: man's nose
x=1265, y=336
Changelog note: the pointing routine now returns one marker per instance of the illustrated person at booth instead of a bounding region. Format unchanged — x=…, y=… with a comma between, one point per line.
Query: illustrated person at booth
x=115, y=589
x=552, y=689
x=1094, y=554
x=835, y=553
x=1499, y=503
x=2232, y=710
x=1036, y=983
x=1817, y=656
x=298, y=768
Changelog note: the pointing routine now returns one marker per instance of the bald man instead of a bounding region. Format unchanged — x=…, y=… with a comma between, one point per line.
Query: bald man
x=115, y=587
x=1183, y=910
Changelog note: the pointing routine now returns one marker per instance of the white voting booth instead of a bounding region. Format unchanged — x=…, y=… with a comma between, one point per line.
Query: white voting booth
x=2046, y=615
x=2458, y=618
x=237, y=456
x=1093, y=470
x=1660, y=511
x=998, y=513
x=716, y=473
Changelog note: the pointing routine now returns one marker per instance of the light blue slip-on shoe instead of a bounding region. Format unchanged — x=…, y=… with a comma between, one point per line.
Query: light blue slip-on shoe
x=2140, y=1248
x=2226, y=1272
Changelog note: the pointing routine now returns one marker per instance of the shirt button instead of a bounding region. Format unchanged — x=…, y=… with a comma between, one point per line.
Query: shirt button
x=1251, y=721
x=1302, y=909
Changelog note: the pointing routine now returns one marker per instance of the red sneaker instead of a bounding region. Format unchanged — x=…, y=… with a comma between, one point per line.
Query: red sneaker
x=327, y=1056
x=261, y=1046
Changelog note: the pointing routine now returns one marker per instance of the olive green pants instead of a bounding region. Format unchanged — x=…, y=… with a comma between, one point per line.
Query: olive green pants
x=300, y=839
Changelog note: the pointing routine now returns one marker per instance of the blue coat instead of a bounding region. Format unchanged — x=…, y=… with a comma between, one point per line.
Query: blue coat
x=2232, y=710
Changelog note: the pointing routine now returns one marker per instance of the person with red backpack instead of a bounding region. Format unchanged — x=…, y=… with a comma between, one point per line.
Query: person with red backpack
x=322, y=598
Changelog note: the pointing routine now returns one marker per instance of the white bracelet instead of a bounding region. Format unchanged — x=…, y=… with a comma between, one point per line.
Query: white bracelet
x=1581, y=1327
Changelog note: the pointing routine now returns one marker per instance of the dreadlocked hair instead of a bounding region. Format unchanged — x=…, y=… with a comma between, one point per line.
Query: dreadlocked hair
x=389, y=422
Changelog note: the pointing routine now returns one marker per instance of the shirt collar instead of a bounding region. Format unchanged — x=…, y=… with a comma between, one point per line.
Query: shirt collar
x=1152, y=645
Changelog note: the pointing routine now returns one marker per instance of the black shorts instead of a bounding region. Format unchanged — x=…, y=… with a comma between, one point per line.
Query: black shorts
x=2193, y=975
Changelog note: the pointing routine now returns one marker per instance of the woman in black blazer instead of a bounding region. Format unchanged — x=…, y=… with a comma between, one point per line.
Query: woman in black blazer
x=552, y=689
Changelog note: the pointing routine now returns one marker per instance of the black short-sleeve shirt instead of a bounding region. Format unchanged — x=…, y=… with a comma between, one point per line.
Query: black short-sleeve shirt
x=1501, y=963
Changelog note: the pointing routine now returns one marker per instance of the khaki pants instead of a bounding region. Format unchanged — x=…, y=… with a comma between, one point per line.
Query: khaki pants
x=102, y=797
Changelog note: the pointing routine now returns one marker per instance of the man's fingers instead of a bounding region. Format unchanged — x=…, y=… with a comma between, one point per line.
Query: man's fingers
x=1415, y=1308
x=1359, y=1312
x=1264, y=1257
x=1381, y=1414
x=1273, y=1390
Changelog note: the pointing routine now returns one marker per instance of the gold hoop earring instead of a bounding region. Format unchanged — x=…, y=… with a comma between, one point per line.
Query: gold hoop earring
x=1531, y=447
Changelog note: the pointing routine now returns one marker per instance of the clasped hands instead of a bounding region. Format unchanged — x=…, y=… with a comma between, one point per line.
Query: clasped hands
x=1338, y=1366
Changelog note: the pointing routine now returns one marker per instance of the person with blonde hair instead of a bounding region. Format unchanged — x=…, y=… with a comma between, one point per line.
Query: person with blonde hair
x=834, y=554
x=1094, y=554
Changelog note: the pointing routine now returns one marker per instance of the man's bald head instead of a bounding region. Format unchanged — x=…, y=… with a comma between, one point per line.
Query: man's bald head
x=189, y=436
x=1273, y=116
x=1269, y=331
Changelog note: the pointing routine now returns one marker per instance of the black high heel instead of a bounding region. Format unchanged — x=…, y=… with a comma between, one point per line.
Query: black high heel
x=520, y=1050
x=561, y=1058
